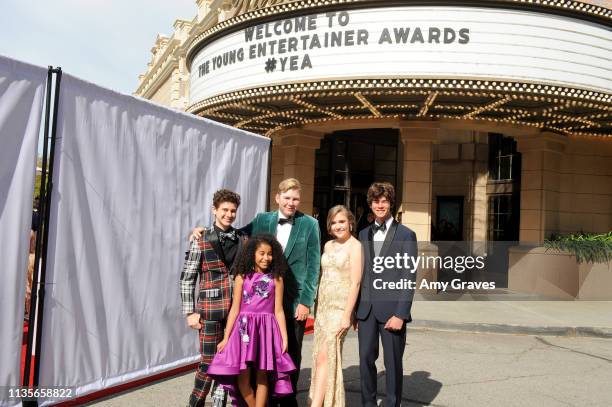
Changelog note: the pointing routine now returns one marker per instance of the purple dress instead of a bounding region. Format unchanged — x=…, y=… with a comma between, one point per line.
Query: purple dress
x=255, y=340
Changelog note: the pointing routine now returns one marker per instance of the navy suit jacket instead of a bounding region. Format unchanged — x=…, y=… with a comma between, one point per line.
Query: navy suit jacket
x=385, y=303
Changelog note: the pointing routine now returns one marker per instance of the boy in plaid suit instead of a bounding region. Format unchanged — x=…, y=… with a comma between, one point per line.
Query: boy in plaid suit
x=211, y=258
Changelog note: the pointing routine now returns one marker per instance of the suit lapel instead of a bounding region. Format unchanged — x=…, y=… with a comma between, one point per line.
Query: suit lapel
x=213, y=239
x=371, y=253
x=273, y=223
x=295, y=232
x=388, y=238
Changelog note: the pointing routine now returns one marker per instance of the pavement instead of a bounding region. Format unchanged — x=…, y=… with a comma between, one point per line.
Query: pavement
x=470, y=352
x=453, y=369
x=551, y=318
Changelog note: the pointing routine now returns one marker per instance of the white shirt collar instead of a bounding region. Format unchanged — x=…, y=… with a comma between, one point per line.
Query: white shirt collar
x=387, y=222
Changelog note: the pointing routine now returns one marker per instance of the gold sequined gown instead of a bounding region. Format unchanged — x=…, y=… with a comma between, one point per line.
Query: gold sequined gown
x=333, y=293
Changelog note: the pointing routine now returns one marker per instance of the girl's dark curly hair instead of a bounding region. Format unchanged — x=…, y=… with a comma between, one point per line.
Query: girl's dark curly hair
x=245, y=264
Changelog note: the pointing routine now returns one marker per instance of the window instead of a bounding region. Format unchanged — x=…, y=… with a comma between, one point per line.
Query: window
x=503, y=216
x=504, y=160
x=349, y=161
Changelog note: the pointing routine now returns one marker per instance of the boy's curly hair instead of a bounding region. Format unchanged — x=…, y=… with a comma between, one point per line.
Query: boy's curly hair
x=380, y=189
x=225, y=195
x=245, y=264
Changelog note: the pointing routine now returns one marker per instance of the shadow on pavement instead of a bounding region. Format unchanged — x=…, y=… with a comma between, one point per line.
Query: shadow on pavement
x=419, y=389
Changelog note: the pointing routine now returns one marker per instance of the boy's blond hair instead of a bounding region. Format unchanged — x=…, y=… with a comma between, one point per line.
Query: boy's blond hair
x=289, y=184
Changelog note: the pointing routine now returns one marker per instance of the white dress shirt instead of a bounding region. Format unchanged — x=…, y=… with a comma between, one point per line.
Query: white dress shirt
x=283, y=231
x=380, y=236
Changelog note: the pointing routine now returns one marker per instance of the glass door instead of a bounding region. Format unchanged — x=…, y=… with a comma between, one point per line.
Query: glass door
x=345, y=166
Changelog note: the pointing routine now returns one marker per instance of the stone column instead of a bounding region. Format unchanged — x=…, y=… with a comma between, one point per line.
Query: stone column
x=541, y=157
x=416, y=201
x=293, y=156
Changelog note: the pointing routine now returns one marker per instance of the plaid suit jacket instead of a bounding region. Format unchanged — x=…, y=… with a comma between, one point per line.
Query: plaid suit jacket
x=205, y=260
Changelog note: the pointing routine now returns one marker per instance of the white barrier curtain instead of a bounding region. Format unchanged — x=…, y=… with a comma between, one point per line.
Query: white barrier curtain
x=131, y=180
x=21, y=98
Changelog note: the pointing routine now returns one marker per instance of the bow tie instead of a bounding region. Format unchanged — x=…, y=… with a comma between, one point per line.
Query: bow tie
x=228, y=235
x=282, y=221
x=382, y=228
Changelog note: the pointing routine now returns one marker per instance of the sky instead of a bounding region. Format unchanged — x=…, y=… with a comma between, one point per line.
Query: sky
x=107, y=42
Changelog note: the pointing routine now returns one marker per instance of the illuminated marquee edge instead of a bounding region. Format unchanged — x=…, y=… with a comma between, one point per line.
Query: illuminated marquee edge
x=302, y=97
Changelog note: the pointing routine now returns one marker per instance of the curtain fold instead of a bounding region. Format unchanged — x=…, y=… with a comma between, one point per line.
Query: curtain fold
x=131, y=180
x=21, y=99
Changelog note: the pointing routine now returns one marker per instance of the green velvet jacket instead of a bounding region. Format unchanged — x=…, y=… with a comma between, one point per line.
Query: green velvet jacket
x=303, y=253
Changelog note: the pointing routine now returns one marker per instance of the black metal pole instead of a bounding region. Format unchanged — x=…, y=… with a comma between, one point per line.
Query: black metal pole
x=43, y=266
x=41, y=210
x=269, y=180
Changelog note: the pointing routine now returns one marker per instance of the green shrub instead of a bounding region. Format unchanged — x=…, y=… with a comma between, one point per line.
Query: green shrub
x=587, y=247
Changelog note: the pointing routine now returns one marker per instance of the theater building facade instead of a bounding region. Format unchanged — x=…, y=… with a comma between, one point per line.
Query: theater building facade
x=492, y=118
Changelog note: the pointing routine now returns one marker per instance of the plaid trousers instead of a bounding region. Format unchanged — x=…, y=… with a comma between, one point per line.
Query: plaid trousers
x=211, y=334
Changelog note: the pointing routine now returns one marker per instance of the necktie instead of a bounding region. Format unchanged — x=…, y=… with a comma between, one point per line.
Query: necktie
x=282, y=221
x=228, y=235
x=382, y=228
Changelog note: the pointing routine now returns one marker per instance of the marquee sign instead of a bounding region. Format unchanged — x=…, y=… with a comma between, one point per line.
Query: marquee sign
x=407, y=42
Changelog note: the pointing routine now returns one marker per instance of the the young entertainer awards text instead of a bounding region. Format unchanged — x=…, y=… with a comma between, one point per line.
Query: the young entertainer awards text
x=292, y=44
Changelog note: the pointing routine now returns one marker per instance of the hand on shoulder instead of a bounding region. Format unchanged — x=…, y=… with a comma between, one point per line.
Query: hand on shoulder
x=197, y=233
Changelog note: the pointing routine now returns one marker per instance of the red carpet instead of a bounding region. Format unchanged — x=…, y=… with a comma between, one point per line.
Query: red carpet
x=309, y=326
x=126, y=386
x=24, y=343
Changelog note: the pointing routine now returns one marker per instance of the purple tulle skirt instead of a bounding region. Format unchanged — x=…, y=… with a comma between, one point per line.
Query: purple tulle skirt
x=256, y=342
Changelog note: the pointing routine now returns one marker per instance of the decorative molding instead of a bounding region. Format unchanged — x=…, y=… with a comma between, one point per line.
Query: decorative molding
x=160, y=68
x=238, y=7
x=184, y=32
